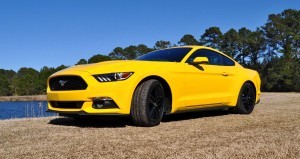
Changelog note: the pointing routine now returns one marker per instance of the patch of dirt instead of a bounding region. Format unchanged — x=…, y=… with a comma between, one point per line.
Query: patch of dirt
x=271, y=131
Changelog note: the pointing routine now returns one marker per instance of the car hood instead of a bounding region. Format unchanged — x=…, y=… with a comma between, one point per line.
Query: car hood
x=111, y=66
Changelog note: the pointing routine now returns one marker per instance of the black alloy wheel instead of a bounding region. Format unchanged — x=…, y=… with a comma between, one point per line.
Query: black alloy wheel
x=246, y=100
x=148, y=103
x=156, y=103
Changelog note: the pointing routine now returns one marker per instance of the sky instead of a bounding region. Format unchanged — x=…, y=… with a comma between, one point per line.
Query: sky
x=37, y=33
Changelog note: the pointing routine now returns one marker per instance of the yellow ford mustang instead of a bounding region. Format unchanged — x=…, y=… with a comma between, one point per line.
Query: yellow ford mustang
x=158, y=83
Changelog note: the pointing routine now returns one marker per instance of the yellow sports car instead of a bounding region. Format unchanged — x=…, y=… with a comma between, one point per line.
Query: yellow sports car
x=160, y=82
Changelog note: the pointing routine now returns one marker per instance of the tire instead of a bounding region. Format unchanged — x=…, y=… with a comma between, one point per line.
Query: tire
x=148, y=104
x=246, y=100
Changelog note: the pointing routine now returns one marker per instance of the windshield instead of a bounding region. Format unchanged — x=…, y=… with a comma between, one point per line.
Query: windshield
x=169, y=55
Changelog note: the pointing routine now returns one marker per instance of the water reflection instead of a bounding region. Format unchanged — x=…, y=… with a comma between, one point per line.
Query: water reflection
x=9, y=110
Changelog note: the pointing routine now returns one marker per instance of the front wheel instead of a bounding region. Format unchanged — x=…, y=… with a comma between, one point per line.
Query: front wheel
x=246, y=100
x=147, y=106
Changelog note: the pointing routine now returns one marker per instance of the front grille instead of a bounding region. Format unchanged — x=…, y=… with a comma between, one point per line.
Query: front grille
x=76, y=105
x=62, y=83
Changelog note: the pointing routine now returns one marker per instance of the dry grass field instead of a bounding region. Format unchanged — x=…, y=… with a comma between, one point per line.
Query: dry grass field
x=24, y=98
x=271, y=131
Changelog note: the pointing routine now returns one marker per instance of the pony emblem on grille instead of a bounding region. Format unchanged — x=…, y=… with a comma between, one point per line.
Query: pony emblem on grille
x=62, y=82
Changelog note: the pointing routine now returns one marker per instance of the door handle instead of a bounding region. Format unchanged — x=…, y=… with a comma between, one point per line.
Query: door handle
x=225, y=74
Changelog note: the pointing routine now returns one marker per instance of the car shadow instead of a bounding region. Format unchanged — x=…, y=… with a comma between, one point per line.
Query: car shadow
x=194, y=115
x=122, y=122
x=95, y=122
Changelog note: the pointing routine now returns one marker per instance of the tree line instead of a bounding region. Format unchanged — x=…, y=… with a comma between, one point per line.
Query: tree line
x=272, y=49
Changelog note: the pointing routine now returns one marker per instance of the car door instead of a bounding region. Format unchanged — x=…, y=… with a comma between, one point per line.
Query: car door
x=207, y=84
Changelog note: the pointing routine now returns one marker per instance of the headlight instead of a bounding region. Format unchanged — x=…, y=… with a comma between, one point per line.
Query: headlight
x=110, y=77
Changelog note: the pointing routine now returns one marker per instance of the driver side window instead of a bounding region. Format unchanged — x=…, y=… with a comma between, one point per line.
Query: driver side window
x=213, y=57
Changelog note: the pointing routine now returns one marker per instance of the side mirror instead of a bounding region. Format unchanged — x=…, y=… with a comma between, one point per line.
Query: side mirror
x=200, y=60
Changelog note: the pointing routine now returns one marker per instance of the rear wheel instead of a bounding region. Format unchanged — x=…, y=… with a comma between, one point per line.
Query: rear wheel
x=246, y=100
x=147, y=106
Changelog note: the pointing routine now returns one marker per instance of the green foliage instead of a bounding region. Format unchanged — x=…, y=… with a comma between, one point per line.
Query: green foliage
x=212, y=37
x=162, y=44
x=98, y=58
x=6, y=76
x=4, y=86
x=257, y=47
x=282, y=32
x=27, y=81
x=243, y=45
x=81, y=62
x=117, y=54
x=273, y=50
x=280, y=76
x=143, y=49
x=44, y=73
x=188, y=39
x=129, y=53
x=231, y=42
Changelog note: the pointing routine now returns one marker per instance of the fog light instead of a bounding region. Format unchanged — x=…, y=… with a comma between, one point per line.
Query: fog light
x=98, y=104
x=104, y=103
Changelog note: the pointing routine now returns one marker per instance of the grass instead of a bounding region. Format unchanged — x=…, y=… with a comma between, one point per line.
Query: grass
x=271, y=131
x=23, y=98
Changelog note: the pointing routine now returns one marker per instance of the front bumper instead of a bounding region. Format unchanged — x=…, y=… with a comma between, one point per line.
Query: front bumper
x=120, y=92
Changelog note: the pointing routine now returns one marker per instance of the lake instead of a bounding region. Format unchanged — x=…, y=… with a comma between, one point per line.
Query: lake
x=11, y=110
